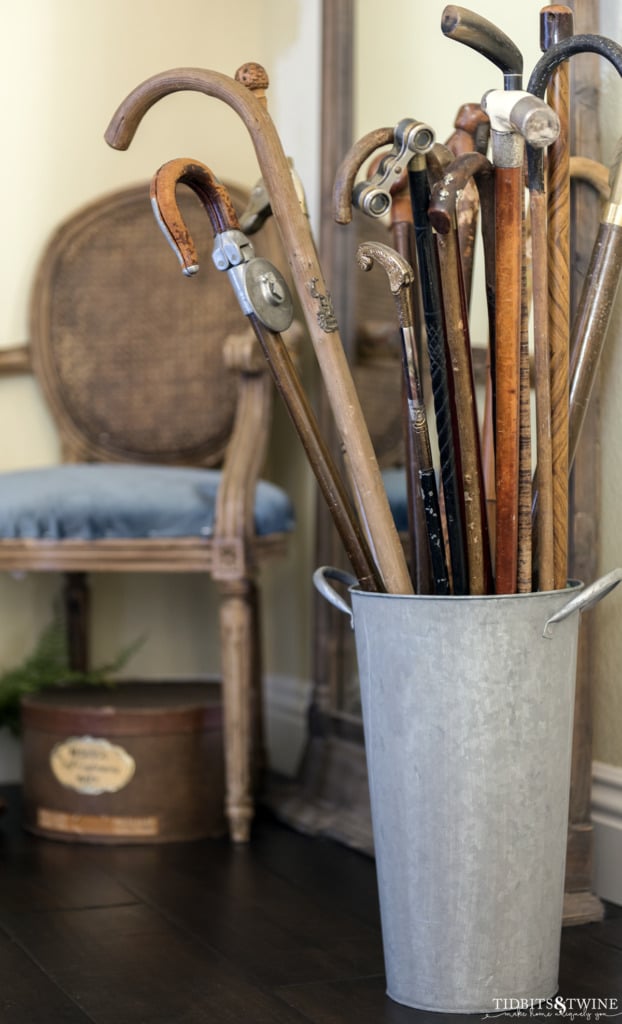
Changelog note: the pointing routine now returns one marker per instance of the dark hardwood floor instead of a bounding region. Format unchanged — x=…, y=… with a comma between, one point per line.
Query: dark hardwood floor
x=283, y=931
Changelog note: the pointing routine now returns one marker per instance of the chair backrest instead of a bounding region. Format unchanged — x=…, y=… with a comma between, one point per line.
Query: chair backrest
x=128, y=351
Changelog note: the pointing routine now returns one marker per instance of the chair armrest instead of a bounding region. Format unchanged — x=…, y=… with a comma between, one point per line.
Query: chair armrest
x=245, y=456
x=242, y=353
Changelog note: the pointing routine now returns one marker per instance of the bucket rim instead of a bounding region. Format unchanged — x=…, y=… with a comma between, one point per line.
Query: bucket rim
x=572, y=586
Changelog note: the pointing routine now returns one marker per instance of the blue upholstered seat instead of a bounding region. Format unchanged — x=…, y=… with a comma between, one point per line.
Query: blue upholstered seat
x=395, y=484
x=96, y=500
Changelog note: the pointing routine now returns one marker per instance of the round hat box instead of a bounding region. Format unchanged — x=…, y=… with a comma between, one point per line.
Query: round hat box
x=130, y=763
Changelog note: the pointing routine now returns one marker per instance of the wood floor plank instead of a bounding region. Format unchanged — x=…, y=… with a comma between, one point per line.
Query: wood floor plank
x=360, y=1001
x=125, y=965
x=591, y=961
x=27, y=996
x=284, y=931
x=276, y=931
x=348, y=879
x=46, y=874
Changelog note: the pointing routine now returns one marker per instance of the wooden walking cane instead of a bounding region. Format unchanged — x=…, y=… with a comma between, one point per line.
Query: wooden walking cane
x=514, y=119
x=553, y=57
x=468, y=28
x=591, y=322
x=446, y=426
x=264, y=298
x=524, y=575
x=477, y=167
x=581, y=381
x=311, y=288
x=383, y=190
x=401, y=278
x=556, y=23
x=471, y=135
x=403, y=238
x=443, y=216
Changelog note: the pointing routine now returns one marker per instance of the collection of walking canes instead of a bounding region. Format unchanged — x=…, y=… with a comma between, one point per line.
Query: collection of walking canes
x=481, y=521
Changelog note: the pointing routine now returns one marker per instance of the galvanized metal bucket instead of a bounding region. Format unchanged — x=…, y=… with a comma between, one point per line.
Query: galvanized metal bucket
x=467, y=714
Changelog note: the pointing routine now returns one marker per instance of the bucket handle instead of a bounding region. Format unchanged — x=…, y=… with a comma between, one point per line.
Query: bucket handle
x=321, y=577
x=585, y=599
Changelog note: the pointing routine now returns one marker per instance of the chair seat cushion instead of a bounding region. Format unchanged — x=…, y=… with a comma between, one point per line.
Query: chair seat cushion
x=96, y=501
x=395, y=485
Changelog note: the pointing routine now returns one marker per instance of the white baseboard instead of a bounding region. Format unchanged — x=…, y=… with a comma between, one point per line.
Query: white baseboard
x=607, y=821
x=286, y=702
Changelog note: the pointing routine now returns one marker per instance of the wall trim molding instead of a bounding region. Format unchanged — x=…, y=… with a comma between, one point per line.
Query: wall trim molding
x=286, y=704
x=607, y=822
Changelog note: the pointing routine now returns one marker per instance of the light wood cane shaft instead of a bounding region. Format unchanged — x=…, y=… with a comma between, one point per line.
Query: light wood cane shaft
x=557, y=24
x=508, y=191
x=524, y=574
x=544, y=561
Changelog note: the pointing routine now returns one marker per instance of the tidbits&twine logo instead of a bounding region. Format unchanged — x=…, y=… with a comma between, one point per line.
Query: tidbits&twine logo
x=557, y=1008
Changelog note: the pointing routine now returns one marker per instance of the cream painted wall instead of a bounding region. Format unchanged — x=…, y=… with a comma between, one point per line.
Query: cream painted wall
x=66, y=65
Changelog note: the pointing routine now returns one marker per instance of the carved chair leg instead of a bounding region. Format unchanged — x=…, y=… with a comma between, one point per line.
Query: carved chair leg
x=77, y=602
x=237, y=667
x=258, y=724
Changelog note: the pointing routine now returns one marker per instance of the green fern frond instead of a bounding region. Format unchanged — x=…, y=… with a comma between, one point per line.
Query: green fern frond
x=47, y=666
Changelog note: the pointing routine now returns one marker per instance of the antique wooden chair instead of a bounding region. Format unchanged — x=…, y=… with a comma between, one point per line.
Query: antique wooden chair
x=162, y=400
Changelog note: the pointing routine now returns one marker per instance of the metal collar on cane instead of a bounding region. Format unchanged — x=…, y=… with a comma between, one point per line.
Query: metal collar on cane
x=258, y=286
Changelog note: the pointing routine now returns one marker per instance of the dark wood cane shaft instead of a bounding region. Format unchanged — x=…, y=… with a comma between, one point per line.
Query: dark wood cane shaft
x=446, y=433
x=402, y=231
x=458, y=343
x=421, y=473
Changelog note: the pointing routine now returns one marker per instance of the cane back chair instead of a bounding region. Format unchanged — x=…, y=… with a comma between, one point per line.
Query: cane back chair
x=162, y=401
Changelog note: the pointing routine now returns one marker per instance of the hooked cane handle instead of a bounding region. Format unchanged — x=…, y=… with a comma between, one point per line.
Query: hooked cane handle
x=213, y=196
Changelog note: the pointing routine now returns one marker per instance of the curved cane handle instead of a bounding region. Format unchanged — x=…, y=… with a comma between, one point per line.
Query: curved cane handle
x=482, y=35
x=446, y=191
x=586, y=599
x=349, y=167
x=321, y=577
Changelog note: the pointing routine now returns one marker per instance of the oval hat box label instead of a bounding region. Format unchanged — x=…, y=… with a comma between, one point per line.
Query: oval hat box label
x=90, y=765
